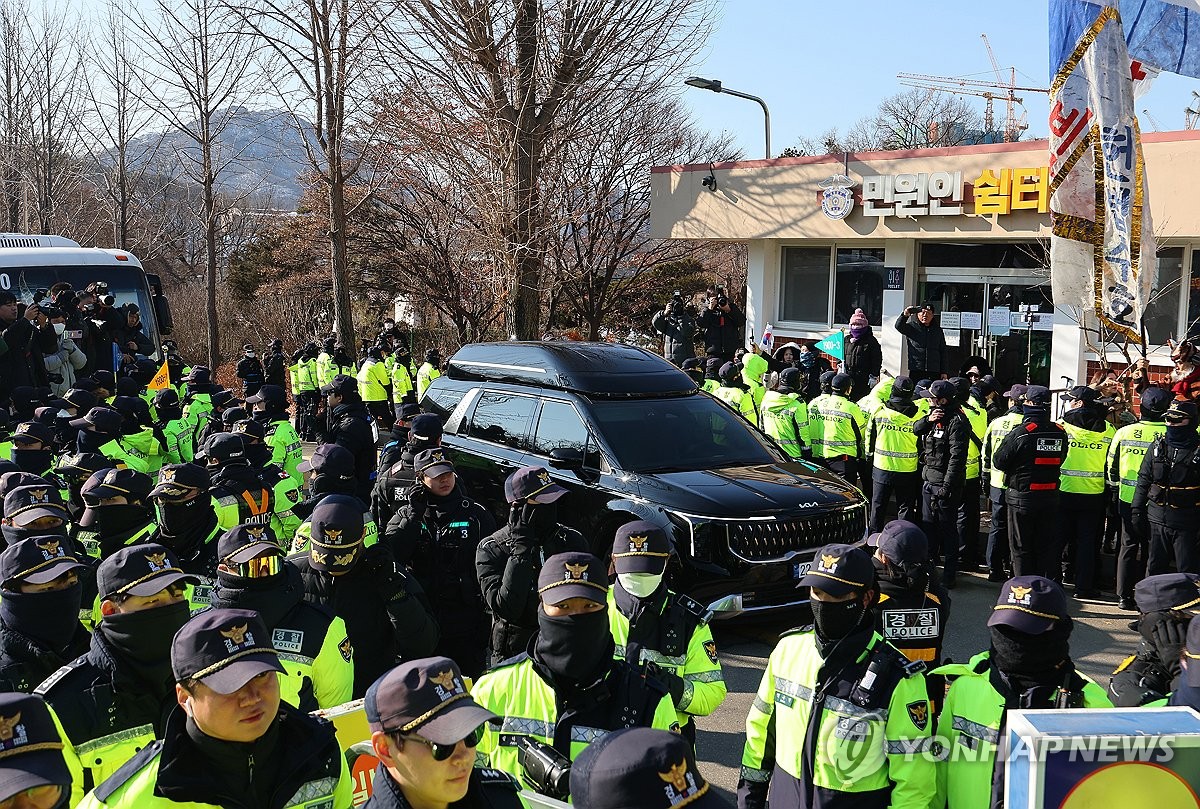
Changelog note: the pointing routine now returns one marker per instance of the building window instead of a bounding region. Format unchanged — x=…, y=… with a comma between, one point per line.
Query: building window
x=1162, y=315
x=857, y=276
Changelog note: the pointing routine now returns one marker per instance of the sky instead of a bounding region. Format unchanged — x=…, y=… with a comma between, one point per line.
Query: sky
x=821, y=64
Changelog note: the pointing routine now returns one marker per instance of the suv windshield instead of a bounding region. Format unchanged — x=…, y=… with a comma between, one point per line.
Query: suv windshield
x=702, y=434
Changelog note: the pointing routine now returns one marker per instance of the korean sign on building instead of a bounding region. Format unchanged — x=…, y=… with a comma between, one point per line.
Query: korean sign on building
x=944, y=193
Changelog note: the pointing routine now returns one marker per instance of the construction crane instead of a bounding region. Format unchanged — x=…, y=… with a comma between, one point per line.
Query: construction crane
x=1152, y=120
x=1191, y=115
x=1010, y=134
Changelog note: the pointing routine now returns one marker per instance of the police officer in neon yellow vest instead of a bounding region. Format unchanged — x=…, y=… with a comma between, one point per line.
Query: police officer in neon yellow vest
x=1028, y=667
x=429, y=371
x=1089, y=434
x=892, y=446
x=568, y=690
x=187, y=524
x=712, y=375
x=841, y=718
x=118, y=511
x=785, y=415
x=230, y=740
x=111, y=701
x=733, y=392
x=838, y=427
x=269, y=406
x=997, y=554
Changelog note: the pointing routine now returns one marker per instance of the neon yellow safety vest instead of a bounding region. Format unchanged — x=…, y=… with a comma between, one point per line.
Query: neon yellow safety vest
x=528, y=707
x=857, y=749
x=141, y=451
x=740, y=400
x=785, y=418
x=264, y=506
x=286, y=451
x=837, y=427
x=325, y=369
x=877, y=397
x=401, y=381
x=1087, y=450
x=425, y=376
x=977, y=417
x=997, y=431
x=710, y=386
x=969, y=727
x=305, y=378
x=890, y=437
x=373, y=381
x=1125, y=453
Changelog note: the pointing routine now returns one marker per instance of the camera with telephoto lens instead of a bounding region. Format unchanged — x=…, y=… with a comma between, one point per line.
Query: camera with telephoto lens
x=40, y=295
x=545, y=769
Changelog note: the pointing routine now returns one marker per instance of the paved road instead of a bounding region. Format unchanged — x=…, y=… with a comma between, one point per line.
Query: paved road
x=1100, y=641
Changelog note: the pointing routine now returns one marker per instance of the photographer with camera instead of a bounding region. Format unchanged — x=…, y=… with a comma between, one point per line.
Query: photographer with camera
x=27, y=333
x=677, y=324
x=723, y=325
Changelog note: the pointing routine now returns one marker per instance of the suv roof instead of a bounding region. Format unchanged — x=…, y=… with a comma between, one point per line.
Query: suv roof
x=594, y=369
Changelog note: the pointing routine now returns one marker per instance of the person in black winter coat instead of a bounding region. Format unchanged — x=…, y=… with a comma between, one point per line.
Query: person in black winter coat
x=942, y=438
x=27, y=336
x=926, y=342
x=864, y=355
x=350, y=427
x=39, y=611
x=250, y=370
x=435, y=535
x=723, y=325
x=387, y=614
x=1167, y=495
x=393, y=483
x=508, y=562
x=275, y=365
x=130, y=334
x=678, y=328
x=810, y=363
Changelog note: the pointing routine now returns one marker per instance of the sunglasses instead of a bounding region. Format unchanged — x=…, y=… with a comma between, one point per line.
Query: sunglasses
x=261, y=567
x=441, y=752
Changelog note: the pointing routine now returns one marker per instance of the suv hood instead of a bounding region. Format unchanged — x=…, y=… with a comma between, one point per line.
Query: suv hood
x=747, y=491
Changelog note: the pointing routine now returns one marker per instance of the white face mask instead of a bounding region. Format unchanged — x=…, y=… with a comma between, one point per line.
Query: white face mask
x=66, y=414
x=59, y=328
x=640, y=585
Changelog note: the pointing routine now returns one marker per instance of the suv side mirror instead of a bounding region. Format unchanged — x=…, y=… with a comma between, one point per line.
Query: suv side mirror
x=566, y=458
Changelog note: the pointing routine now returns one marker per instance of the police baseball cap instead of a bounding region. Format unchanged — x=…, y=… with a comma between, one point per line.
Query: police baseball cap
x=341, y=385
x=139, y=570
x=903, y=386
x=790, y=378
x=11, y=479
x=409, y=411
x=1029, y=604
x=943, y=389
x=84, y=464
x=222, y=447
x=127, y=386
x=1155, y=399
x=31, y=748
x=75, y=399
x=25, y=504
x=332, y=460
x=166, y=397
x=425, y=427
x=904, y=543
x=244, y=542
x=222, y=398
x=641, y=547
x=712, y=367
x=250, y=429
x=431, y=463
x=224, y=649
x=1181, y=409
x=426, y=697
x=1016, y=392
x=1167, y=591
x=532, y=482
x=36, y=560
x=573, y=575
x=271, y=394
x=180, y=481
x=106, y=483
x=199, y=374
x=337, y=533
x=839, y=570
x=104, y=419
x=133, y=408
x=841, y=382
x=105, y=379
x=641, y=768
x=1082, y=393
x=691, y=364
x=730, y=372
x=1037, y=396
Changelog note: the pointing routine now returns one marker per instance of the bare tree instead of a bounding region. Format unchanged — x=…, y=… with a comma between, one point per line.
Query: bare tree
x=914, y=119
x=533, y=75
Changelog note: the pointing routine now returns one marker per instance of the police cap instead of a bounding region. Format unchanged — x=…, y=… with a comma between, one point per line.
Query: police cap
x=77, y=399
x=1156, y=400
x=1016, y=393
x=180, y=481
x=221, y=448
x=244, y=542
x=426, y=697
x=431, y=463
x=1181, y=410
x=273, y=395
x=104, y=419
x=340, y=385
x=36, y=560
x=224, y=649
x=532, y=482
x=1029, y=604
x=903, y=543
x=32, y=755
x=641, y=547
x=1167, y=591
x=30, y=431
x=139, y=570
x=331, y=460
x=903, y=387
x=642, y=767
x=840, y=569
x=1037, y=396
x=573, y=575
x=841, y=383
x=337, y=533
x=426, y=427
x=1082, y=393
x=25, y=504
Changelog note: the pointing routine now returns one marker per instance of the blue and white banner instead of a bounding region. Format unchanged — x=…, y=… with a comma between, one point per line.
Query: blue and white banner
x=1102, y=244
x=1163, y=34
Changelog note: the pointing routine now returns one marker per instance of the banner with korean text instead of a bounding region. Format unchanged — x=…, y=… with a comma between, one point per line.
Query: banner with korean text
x=1102, y=245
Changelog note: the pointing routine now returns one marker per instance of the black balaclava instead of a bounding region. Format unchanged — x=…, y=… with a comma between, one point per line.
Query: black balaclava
x=90, y=441
x=143, y=639
x=50, y=617
x=1037, y=413
x=168, y=413
x=1178, y=435
x=13, y=534
x=1031, y=661
x=538, y=520
x=184, y=527
x=577, y=648
x=115, y=520
x=836, y=620
x=1088, y=417
x=273, y=597
x=36, y=461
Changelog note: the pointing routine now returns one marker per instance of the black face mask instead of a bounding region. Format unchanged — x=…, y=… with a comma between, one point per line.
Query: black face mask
x=50, y=617
x=1181, y=435
x=36, y=461
x=836, y=619
x=1032, y=658
x=110, y=521
x=143, y=638
x=575, y=647
x=166, y=414
x=88, y=441
x=185, y=526
x=13, y=534
x=541, y=519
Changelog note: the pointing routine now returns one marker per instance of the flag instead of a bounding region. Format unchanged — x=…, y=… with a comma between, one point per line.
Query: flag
x=834, y=345
x=1101, y=244
x=161, y=380
x=1163, y=35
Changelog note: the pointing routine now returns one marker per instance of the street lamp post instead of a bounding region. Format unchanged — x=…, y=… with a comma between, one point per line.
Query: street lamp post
x=715, y=86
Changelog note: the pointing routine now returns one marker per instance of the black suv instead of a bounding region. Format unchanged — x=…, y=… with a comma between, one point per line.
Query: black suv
x=632, y=438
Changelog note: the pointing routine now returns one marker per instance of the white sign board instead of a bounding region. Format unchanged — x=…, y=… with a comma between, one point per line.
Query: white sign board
x=971, y=320
x=998, y=321
x=949, y=320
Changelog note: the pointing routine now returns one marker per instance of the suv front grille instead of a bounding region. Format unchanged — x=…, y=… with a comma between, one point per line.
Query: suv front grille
x=773, y=540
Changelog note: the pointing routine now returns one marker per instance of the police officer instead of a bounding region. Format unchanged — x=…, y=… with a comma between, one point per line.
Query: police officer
x=429, y=371
x=197, y=400
x=186, y=519
x=507, y=563
x=330, y=470
x=350, y=427
x=275, y=365
x=74, y=470
x=313, y=643
x=250, y=370
x=968, y=509
x=1168, y=493
x=754, y=369
x=390, y=452
x=34, y=772
x=96, y=429
x=325, y=366
x=568, y=690
x=270, y=407
x=436, y=535
x=1166, y=603
x=375, y=387
x=1089, y=435
x=913, y=607
x=997, y=546
x=694, y=367
x=33, y=509
x=838, y=428
x=33, y=447
x=732, y=391
x=118, y=511
x=387, y=615
x=136, y=446
x=892, y=444
x=663, y=630
x=39, y=611
x=712, y=375
x=304, y=391
x=403, y=390
x=230, y=740
x=943, y=437
x=785, y=415
x=1125, y=454
x=1028, y=667
x=1030, y=457
x=642, y=767
x=822, y=679
x=111, y=700
x=245, y=494
x=425, y=728
x=172, y=428
x=396, y=479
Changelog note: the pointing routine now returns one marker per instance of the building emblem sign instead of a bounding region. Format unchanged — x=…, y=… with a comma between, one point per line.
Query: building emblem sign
x=837, y=200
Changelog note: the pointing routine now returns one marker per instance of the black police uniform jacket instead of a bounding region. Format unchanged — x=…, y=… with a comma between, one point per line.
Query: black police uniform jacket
x=487, y=789
x=25, y=662
x=912, y=618
x=387, y=614
x=1140, y=678
x=275, y=368
x=507, y=564
x=350, y=427
x=1031, y=458
x=1168, y=484
x=250, y=370
x=943, y=451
